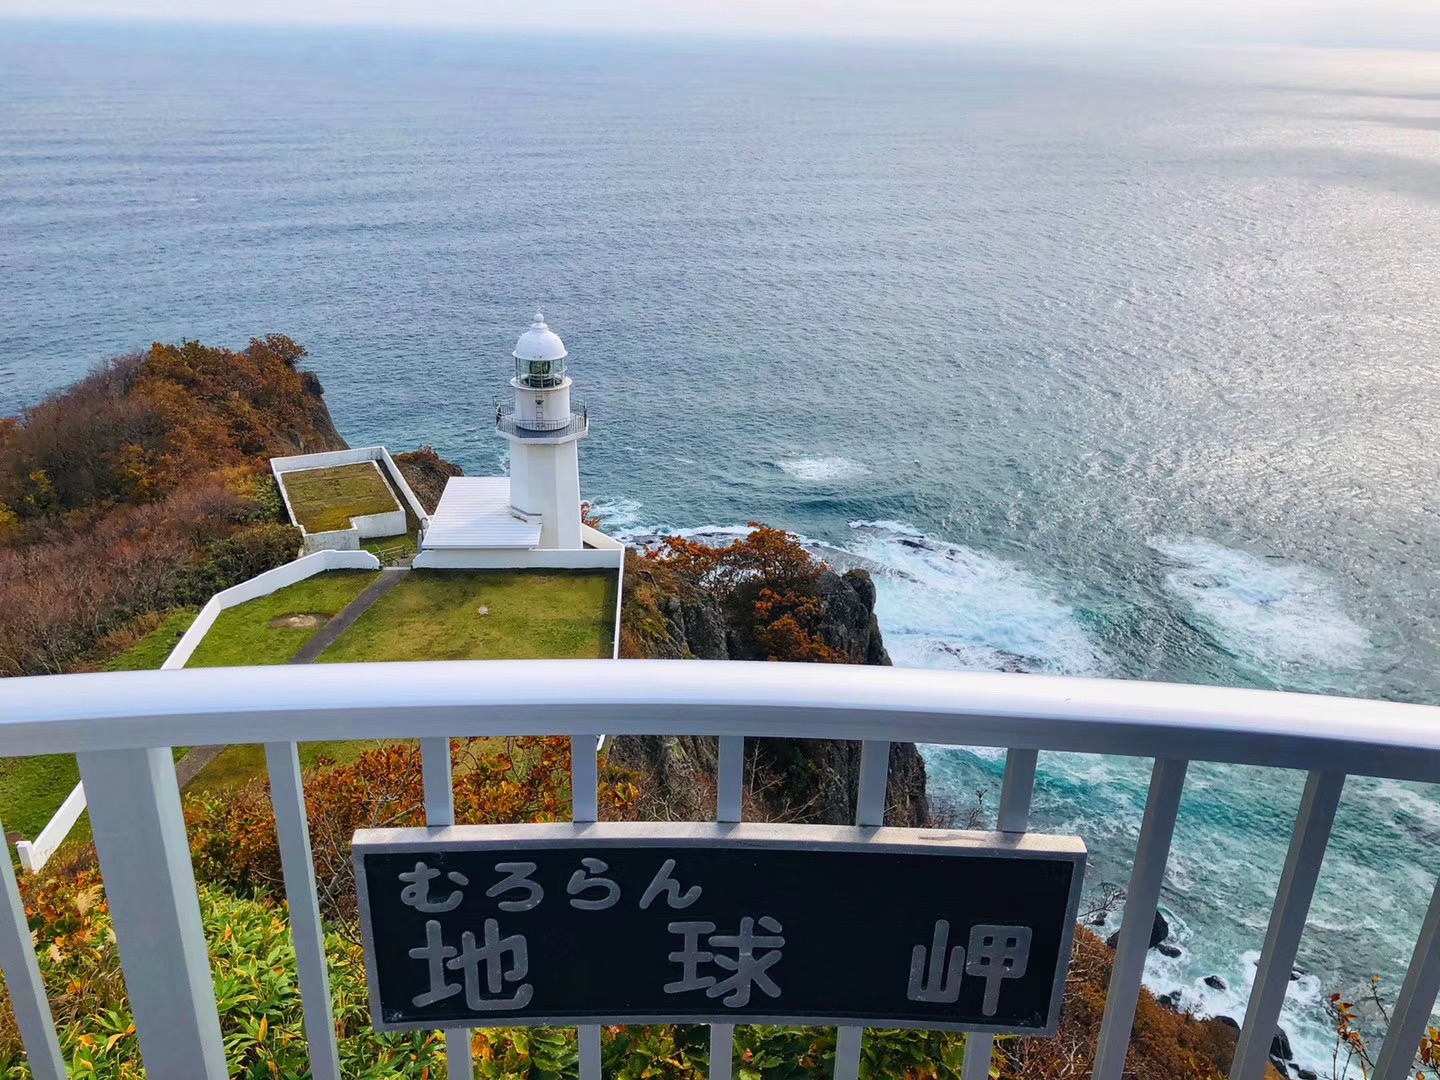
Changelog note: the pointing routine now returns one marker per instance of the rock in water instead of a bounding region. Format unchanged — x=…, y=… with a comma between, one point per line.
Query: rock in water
x=1171, y=951
x=1159, y=931
x=1307, y=1074
x=1280, y=1046
x=1215, y=982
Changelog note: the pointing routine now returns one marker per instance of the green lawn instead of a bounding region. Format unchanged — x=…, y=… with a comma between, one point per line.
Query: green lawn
x=243, y=634
x=325, y=499
x=150, y=652
x=434, y=615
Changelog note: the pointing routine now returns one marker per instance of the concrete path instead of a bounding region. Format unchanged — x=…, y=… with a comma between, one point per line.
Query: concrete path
x=188, y=767
x=331, y=631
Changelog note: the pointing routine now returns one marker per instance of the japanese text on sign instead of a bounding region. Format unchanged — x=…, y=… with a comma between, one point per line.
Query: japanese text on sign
x=532, y=924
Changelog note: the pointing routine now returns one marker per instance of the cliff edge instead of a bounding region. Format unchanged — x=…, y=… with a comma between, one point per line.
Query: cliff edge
x=735, y=605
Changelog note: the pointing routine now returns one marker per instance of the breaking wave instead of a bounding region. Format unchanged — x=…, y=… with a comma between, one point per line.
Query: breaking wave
x=1283, y=619
x=821, y=470
x=947, y=605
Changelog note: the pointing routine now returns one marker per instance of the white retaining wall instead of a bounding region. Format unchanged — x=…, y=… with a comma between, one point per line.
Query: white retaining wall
x=35, y=853
x=333, y=540
x=597, y=539
x=366, y=526
x=519, y=559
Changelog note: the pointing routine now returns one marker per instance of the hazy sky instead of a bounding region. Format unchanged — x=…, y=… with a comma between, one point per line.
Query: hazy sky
x=1384, y=22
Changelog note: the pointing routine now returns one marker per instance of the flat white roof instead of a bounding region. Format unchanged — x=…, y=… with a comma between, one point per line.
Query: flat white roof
x=474, y=512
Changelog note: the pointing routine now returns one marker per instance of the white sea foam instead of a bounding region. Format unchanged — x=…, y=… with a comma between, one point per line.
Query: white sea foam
x=823, y=470
x=1282, y=618
x=946, y=605
x=617, y=515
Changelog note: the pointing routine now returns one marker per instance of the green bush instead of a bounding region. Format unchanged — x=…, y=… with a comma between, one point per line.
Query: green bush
x=252, y=957
x=236, y=558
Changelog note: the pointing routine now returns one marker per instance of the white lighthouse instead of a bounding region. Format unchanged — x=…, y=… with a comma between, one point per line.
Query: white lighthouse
x=543, y=434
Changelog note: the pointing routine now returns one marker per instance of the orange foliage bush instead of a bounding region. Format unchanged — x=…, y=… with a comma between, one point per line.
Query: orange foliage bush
x=770, y=584
x=1164, y=1044
x=233, y=842
x=115, y=491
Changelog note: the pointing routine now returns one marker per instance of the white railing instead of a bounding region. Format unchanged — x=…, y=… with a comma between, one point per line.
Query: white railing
x=121, y=726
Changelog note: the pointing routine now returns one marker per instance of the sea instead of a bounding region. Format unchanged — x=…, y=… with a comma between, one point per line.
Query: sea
x=1114, y=361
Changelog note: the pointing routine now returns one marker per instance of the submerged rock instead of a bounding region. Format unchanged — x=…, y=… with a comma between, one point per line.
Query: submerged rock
x=1171, y=951
x=1159, y=931
x=1215, y=982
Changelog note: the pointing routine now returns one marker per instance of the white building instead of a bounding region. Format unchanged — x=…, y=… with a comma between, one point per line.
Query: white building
x=494, y=520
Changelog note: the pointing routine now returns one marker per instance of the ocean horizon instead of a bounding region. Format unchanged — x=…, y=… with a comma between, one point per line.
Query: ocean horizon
x=1103, y=364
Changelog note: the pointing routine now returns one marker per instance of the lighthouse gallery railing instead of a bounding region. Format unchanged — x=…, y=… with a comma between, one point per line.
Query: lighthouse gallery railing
x=122, y=725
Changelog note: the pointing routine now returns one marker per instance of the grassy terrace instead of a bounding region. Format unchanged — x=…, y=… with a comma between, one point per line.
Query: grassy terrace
x=271, y=629
x=430, y=615
x=325, y=499
x=436, y=615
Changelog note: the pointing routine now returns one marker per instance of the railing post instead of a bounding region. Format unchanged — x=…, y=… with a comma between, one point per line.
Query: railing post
x=292, y=829
x=150, y=887
x=22, y=980
x=870, y=811
x=438, y=779
x=730, y=778
x=1287, y=922
x=585, y=804
x=1167, y=782
x=1417, y=999
x=1016, y=791
x=729, y=804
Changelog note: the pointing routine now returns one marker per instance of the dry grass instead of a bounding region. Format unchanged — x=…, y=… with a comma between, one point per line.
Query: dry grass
x=326, y=499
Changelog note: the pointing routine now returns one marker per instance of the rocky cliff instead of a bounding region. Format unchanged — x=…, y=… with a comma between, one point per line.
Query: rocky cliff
x=668, y=614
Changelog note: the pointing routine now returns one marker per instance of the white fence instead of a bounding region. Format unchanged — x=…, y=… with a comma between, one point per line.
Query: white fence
x=121, y=726
x=36, y=853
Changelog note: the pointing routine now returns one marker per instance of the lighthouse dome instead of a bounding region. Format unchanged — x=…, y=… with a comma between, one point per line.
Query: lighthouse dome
x=539, y=342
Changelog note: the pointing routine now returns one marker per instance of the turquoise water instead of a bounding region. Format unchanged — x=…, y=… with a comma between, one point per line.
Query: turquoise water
x=1105, y=366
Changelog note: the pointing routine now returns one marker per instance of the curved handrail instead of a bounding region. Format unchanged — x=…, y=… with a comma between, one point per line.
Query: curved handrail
x=118, y=710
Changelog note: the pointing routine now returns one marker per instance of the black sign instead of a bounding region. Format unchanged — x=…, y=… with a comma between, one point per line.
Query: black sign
x=483, y=926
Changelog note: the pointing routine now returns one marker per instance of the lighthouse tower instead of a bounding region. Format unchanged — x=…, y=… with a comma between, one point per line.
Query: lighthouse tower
x=543, y=434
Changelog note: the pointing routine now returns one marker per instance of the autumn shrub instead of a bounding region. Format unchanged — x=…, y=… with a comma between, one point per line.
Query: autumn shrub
x=252, y=958
x=233, y=840
x=1360, y=1028
x=1164, y=1044
x=769, y=585
x=59, y=600
x=144, y=486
